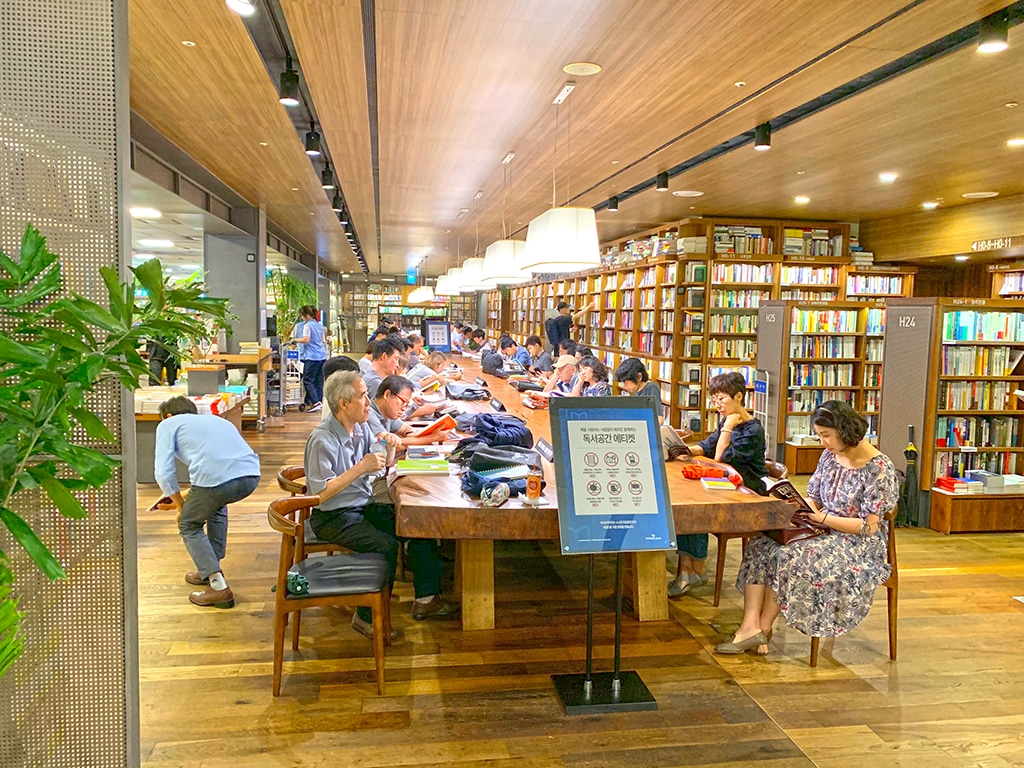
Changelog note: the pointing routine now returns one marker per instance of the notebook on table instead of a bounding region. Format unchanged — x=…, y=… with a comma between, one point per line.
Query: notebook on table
x=438, y=466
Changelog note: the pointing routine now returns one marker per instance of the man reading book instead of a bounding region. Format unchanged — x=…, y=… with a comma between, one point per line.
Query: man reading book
x=391, y=400
x=341, y=462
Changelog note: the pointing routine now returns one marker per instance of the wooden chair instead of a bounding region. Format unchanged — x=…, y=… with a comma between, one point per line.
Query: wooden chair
x=892, y=588
x=776, y=470
x=353, y=580
x=293, y=480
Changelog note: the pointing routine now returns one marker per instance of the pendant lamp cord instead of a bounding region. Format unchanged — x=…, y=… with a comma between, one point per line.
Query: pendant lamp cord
x=554, y=165
x=504, y=198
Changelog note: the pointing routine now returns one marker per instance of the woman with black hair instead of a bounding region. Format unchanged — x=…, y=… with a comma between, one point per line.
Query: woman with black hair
x=592, y=380
x=824, y=586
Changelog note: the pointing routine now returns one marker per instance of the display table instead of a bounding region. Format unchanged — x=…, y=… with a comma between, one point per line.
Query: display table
x=261, y=362
x=975, y=512
x=433, y=506
x=145, y=441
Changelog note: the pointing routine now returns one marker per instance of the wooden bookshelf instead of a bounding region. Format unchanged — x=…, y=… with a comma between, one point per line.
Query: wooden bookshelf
x=816, y=351
x=499, y=318
x=462, y=309
x=1007, y=280
x=952, y=370
x=869, y=282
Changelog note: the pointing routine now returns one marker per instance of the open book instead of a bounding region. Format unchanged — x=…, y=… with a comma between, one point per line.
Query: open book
x=673, y=442
x=800, y=526
x=443, y=424
x=785, y=490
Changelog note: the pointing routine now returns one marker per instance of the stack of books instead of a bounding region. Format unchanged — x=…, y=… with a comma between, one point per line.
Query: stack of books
x=959, y=486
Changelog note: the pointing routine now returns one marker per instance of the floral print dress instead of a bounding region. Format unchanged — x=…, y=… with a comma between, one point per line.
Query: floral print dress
x=825, y=585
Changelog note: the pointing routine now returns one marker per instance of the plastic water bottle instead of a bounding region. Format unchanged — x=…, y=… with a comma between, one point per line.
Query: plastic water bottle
x=380, y=447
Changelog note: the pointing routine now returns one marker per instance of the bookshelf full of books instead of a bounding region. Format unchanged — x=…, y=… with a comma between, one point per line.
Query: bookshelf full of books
x=498, y=312
x=972, y=387
x=463, y=309
x=870, y=282
x=1007, y=280
x=815, y=351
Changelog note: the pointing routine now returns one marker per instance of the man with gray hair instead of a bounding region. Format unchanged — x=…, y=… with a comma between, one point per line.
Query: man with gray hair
x=342, y=458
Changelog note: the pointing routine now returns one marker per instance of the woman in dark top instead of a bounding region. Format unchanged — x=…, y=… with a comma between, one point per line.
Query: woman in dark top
x=632, y=377
x=739, y=442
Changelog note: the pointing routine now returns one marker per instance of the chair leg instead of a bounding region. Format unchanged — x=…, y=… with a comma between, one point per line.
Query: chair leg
x=278, y=651
x=892, y=600
x=387, y=617
x=401, y=561
x=814, y=651
x=720, y=568
x=295, y=630
x=379, y=639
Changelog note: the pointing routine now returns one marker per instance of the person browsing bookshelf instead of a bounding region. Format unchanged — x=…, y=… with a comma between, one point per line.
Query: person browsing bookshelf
x=592, y=380
x=738, y=441
x=632, y=377
x=564, y=378
x=559, y=327
x=824, y=586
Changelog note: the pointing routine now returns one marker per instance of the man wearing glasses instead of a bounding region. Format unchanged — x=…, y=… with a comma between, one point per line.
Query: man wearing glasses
x=392, y=400
x=341, y=460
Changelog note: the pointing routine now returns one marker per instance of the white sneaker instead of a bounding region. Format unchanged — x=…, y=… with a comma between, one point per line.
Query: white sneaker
x=315, y=407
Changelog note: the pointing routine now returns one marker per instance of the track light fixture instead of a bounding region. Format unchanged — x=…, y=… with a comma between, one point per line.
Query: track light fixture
x=342, y=218
x=613, y=204
x=242, y=7
x=337, y=204
x=992, y=37
x=313, y=141
x=662, y=182
x=763, y=137
x=288, y=93
x=327, y=177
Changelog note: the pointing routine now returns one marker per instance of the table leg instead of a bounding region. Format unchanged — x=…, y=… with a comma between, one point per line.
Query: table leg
x=474, y=564
x=650, y=589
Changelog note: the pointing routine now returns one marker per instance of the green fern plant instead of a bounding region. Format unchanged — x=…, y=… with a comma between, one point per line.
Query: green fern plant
x=56, y=350
x=290, y=294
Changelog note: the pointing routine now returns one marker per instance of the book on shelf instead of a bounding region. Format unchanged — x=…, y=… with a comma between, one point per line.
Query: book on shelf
x=691, y=372
x=696, y=272
x=692, y=245
x=972, y=325
x=824, y=320
x=821, y=375
x=806, y=400
x=737, y=272
x=806, y=275
x=880, y=285
x=738, y=299
x=741, y=239
x=695, y=297
x=824, y=347
x=974, y=395
x=977, y=432
x=811, y=242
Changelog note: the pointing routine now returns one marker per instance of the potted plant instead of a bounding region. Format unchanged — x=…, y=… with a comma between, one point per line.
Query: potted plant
x=290, y=294
x=58, y=349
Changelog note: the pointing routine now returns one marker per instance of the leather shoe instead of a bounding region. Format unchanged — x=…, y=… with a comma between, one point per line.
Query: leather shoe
x=365, y=628
x=732, y=647
x=195, y=578
x=436, y=607
x=218, y=598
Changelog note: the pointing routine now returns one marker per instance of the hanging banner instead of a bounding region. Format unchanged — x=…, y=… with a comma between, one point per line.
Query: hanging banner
x=610, y=475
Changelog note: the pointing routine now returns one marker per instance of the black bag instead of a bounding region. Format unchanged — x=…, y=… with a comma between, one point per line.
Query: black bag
x=551, y=331
x=503, y=429
x=493, y=364
x=487, y=457
x=459, y=391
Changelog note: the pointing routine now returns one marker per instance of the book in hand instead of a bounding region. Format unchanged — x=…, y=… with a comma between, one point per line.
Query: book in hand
x=673, y=442
x=444, y=424
x=405, y=467
x=800, y=526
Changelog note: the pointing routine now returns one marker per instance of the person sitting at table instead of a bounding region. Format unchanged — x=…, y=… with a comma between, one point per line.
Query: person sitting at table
x=564, y=379
x=824, y=586
x=583, y=351
x=738, y=441
x=386, y=356
x=455, y=337
x=366, y=361
x=567, y=347
x=632, y=377
x=392, y=399
x=512, y=351
x=592, y=380
x=540, y=358
x=416, y=343
x=479, y=337
x=340, y=465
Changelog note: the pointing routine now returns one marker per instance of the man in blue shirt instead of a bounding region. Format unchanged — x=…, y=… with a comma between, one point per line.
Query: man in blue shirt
x=341, y=464
x=310, y=336
x=513, y=351
x=222, y=469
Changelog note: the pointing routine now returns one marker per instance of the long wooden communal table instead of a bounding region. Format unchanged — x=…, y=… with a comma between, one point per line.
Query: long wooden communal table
x=434, y=507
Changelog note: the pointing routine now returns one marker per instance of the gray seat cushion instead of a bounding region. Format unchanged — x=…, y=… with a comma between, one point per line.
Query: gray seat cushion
x=354, y=574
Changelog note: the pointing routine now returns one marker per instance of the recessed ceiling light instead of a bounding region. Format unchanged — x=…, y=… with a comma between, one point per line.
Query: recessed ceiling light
x=800, y=173
x=739, y=83
x=801, y=200
x=188, y=43
x=1016, y=141
x=888, y=177
x=151, y=243
x=144, y=213
x=582, y=68
x=929, y=205
x=1011, y=104
x=961, y=257
x=687, y=193
x=978, y=195
x=615, y=162
x=295, y=189
x=263, y=143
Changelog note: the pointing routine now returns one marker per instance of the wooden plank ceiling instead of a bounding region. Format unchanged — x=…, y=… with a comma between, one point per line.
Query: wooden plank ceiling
x=462, y=82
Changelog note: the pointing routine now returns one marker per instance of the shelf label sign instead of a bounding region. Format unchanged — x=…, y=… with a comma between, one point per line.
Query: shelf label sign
x=611, y=481
x=997, y=243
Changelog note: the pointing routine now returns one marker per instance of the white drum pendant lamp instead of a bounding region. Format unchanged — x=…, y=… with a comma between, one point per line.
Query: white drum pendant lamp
x=472, y=275
x=500, y=261
x=561, y=240
x=452, y=282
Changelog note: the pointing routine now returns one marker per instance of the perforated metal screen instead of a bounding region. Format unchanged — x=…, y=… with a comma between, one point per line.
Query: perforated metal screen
x=67, y=701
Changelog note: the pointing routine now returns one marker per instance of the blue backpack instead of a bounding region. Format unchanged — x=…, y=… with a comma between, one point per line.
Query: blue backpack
x=503, y=429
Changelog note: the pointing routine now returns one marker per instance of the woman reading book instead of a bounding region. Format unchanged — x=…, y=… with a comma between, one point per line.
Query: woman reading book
x=824, y=586
x=739, y=442
x=592, y=379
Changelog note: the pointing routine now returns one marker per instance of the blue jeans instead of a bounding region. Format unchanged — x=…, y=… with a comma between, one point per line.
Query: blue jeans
x=207, y=508
x=693, y=544
x=313, y=380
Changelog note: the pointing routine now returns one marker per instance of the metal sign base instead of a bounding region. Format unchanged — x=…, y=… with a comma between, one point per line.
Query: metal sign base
x=616, y=691
x=632, y=694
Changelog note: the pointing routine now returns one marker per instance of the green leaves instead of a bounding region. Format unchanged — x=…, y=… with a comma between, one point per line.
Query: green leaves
x=32, y=544
x=10, y=619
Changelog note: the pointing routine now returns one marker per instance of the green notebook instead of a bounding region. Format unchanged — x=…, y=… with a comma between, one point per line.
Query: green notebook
x=421, y=467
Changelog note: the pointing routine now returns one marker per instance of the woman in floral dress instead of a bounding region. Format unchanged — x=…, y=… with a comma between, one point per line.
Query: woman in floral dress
x=824, y=586
x=592, y=380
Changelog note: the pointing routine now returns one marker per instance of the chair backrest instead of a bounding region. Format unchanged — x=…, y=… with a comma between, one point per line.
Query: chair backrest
x=288, y=480
x=776, y=469
x=890, y=516
x=285, y=516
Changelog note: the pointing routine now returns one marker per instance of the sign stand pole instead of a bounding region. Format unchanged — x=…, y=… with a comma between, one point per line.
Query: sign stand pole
x=615, y=691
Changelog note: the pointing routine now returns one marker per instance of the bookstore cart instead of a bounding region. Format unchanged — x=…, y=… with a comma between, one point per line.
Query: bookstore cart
x=293, y=391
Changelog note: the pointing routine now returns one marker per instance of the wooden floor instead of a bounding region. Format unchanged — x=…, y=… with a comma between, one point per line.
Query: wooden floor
x=485, y=699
